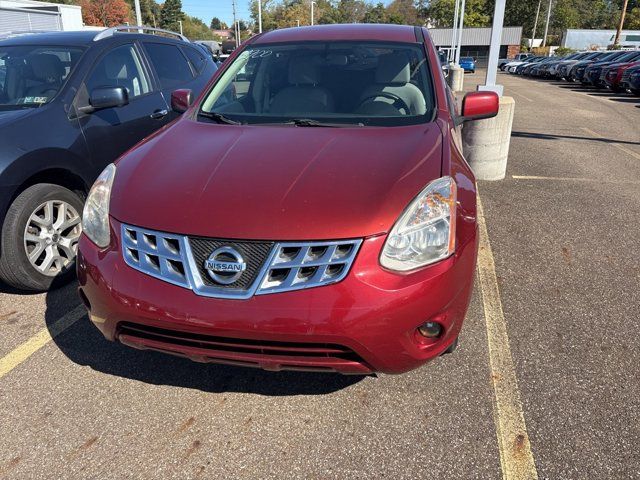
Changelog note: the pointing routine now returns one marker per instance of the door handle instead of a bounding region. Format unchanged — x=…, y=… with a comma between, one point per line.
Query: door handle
x=159, y=114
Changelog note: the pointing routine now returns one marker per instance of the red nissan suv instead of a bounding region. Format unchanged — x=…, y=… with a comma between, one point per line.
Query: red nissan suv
x=312, y=210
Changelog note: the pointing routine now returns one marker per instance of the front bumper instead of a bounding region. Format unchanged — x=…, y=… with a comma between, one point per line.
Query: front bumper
x=365, y=323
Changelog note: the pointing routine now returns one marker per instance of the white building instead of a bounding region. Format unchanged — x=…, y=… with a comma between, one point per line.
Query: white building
x=599, y=39
x=29, y=15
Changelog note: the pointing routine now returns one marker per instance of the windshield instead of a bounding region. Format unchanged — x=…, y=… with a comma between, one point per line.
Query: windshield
x=351, y=83
x=627, y=56
x=31, y=75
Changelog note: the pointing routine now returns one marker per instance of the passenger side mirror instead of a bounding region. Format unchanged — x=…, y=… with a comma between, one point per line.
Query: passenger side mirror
x=180, y=100
x=478, y=105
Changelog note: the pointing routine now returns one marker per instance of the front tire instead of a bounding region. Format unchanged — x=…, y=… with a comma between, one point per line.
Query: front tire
x=40, y=238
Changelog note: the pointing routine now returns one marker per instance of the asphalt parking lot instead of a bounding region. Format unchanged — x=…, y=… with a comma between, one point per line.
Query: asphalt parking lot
x=545, y=382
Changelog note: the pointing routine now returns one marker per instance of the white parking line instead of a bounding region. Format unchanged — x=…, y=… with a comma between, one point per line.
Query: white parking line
x=516, y=458
x=39, y=340
x=520, y=95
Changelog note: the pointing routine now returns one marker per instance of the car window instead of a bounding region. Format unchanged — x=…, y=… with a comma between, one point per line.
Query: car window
x=170, y=64
x=196, y=59
x=31, y=75
x=373, y=83
x=121, y=67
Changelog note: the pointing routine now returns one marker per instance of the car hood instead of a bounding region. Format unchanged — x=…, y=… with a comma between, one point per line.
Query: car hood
x=626, y=65
x=10, y=116
x=275, y=182
x=583, y=63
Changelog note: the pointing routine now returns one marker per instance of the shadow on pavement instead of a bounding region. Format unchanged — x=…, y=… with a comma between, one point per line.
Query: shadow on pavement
x=551, y=136
x=4, y=288
x=626, y=99
x=83, y=344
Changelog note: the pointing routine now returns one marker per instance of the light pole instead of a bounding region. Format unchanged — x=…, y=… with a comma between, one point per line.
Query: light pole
x=235, y=24
x=259, y=16
x=535, y=24
x=180, y=23
x=494, y=50
x=452, y=51
x=546, y=27
x=312, y=4
x=460, y=29
x=138, y=14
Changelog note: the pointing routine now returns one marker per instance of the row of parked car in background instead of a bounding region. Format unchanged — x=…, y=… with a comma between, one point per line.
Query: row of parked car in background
x=616, y=70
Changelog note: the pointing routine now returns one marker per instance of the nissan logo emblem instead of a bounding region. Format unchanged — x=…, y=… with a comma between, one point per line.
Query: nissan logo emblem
x=225, y=265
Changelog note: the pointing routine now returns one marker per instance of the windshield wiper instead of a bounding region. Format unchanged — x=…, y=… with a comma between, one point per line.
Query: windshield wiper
x=307, y=122
x=218, y=117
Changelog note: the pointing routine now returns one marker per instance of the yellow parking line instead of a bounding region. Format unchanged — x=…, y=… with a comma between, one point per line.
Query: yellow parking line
x=516, y=458
x=619, y=147
x=575, y=179
x=568, y=179
x=39, y=340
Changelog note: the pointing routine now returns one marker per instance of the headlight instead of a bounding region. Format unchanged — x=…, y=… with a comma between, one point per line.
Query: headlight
x=95, y=216
x=425, y=232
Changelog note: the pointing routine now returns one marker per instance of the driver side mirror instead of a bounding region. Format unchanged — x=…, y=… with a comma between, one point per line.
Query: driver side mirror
x=180, y=100
x=106, y=97
x=479, y=105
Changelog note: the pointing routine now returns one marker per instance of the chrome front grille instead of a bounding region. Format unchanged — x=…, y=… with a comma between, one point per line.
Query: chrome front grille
x=160, y=255
x=271, y=267
x=304, y=265
x=626, y=75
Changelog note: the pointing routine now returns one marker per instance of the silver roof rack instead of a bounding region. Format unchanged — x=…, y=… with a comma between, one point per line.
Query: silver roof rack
x=109, y=32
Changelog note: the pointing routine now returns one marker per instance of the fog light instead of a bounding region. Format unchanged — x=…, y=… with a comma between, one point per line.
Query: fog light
x=430, y=329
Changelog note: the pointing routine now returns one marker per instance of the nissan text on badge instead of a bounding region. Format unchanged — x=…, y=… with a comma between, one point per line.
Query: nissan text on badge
x=350, y=246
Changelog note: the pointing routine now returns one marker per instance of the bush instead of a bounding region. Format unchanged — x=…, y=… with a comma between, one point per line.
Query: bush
x=564, y=51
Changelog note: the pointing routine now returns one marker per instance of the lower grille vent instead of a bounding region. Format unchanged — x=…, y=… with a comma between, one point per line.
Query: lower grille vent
x=236, y=345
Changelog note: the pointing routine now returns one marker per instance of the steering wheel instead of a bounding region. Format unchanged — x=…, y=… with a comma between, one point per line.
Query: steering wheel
x=398, y=102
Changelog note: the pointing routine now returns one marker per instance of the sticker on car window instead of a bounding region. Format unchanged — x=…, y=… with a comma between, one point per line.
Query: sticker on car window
x=35, y=99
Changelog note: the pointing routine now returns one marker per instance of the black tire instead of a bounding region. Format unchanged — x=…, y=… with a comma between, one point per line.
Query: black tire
x=15, y=268
x=452, y=348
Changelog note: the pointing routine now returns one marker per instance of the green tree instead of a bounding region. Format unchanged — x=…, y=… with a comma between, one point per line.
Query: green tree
x=478, y=13
x=376, y=14
x=632, y=20
x=195, y=29
x=403, y=12
x=171, y=15
x=217, y=24
x=149, y=10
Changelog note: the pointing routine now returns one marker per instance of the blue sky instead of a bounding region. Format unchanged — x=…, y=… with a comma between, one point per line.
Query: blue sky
x=207, y=9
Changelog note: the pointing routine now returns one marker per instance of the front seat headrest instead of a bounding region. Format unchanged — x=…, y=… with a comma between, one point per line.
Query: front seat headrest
x=47, y=67
x=393, y=69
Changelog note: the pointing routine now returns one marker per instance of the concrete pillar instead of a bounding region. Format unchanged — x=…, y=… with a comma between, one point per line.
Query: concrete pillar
x=486, y=142
x=456, y=78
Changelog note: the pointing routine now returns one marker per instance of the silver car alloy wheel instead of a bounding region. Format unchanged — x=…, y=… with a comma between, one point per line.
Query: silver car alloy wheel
x=51, y=237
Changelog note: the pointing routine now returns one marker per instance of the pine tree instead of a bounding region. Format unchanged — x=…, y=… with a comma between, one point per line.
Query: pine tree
x=171, y=14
